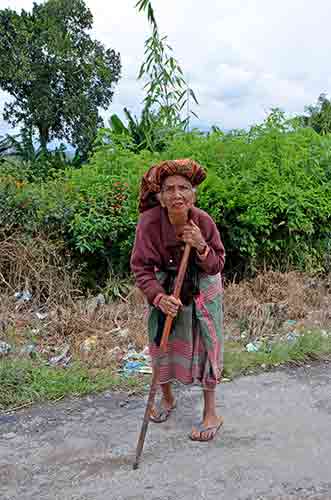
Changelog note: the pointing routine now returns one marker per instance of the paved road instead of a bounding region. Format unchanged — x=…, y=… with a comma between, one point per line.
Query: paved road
x=276, y=444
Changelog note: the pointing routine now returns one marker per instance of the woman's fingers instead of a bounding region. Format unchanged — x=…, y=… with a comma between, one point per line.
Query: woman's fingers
x=172, y=313
x=170, y=305
x=169, y=311
x=176, y=302
x=192, y=235
x=188, y=231
x=188, y=236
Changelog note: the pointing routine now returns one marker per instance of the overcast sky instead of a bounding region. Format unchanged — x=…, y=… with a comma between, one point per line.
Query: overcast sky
x=241, y=57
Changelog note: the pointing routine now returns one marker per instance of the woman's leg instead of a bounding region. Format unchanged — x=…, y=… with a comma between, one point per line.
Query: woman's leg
x=167, y=403
x=167, y=395
x=210, y=418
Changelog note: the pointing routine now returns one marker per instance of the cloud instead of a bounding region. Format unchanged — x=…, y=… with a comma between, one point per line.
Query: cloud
x=240, y=57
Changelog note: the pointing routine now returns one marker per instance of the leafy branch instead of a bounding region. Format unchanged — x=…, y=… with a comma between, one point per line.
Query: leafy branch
x=166, y=89
x=146, y=6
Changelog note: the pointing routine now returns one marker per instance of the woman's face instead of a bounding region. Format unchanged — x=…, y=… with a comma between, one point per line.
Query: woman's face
x=177, y=193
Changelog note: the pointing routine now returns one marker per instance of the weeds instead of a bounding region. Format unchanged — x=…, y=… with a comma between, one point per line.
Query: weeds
x=39, y=265
x=24, y=382
x=258, y=309
x=310, y=346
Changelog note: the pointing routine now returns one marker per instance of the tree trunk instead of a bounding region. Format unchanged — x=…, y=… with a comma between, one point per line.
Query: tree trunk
x=43, y=136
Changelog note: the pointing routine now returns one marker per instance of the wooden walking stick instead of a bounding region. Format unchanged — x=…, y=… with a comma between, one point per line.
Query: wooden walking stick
x=175, y=219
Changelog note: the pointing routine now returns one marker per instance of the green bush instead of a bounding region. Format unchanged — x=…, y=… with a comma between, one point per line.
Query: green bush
x=268, y=189
x=15, y=208
x=93, y=209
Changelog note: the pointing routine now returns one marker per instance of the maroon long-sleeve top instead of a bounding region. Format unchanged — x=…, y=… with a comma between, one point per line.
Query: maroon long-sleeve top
x=157, y=247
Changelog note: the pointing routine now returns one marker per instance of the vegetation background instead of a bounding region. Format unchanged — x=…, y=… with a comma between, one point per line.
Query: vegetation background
x=67, y=224
x=268, y=187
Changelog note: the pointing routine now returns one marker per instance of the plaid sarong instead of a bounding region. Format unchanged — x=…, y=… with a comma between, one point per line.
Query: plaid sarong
x=195, y=349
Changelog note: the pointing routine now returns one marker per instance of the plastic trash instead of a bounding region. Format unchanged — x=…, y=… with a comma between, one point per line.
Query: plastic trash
x=24, y=296
x=62, y=358
x=95, y=303
x=132, y=367
x=41, y=315
x=292, y=337
x=137, y=362
x=4, y=348
x=89, y=344
x=100, y=299
x=253, y=347
x=146, y=370
x=137, y=356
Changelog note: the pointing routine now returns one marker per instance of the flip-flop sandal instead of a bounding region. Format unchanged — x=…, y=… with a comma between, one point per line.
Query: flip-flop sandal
x=162, y=414
x=201, y=428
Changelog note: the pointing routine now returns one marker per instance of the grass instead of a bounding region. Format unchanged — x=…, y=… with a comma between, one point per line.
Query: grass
x=27, y=382
x=260, y=308
x=307, y=347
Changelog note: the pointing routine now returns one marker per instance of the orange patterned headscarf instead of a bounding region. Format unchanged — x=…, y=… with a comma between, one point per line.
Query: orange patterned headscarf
x=152, y=180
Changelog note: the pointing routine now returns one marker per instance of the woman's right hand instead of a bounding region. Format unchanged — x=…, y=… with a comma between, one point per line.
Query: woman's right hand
x=169, y=305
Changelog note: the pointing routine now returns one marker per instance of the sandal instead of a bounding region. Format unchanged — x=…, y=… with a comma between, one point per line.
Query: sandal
x=202, y=428
x=161, y=414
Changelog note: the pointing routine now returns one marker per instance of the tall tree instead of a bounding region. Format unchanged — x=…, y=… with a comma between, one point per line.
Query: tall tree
x=319, y=116
x=56, y=73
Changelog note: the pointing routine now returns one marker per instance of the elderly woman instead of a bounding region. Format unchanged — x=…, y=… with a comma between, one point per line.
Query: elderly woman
x=195, y=345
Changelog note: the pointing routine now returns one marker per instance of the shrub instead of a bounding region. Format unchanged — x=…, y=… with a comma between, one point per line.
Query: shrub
x=268, y=189
x=14, y=209
x=92, y=209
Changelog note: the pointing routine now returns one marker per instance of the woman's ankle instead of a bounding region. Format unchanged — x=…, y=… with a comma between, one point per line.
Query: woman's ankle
x=167, y=393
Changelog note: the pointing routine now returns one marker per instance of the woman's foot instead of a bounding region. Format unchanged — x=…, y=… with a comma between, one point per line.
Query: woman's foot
x=161, y=412
x=207, y=430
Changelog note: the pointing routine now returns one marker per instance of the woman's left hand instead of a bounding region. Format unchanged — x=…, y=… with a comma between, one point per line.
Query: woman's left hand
x=192, y=235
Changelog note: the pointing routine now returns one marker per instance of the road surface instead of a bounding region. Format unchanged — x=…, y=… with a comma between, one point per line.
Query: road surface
x=276, y=444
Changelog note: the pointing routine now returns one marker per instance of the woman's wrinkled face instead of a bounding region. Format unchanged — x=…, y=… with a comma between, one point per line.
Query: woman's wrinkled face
x=176, y=193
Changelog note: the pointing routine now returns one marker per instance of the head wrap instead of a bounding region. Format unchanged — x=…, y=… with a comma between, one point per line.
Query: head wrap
x=152, y=180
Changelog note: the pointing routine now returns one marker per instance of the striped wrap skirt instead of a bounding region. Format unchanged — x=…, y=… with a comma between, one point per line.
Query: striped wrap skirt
x=195, y=348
